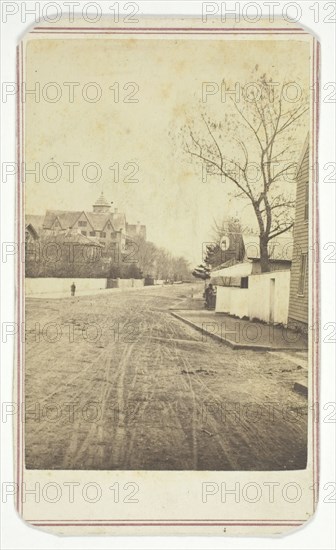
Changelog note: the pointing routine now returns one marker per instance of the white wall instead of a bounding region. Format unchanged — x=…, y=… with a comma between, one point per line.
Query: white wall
x=239, y=302
x=130, y=283
x=259, y=296
x=51, y=285
x=232, y=300
x=254, y=302
x=41, y=285
x=223, y=299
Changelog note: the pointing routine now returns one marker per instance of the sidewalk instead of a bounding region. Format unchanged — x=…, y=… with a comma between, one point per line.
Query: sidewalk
x=239, y=334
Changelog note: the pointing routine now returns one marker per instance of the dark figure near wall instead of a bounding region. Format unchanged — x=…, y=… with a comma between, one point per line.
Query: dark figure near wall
x=73, y=289
x=209, y=294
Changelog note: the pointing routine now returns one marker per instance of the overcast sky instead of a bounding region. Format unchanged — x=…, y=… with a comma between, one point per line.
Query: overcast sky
x=170, y=196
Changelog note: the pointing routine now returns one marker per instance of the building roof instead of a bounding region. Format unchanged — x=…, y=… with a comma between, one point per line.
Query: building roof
x=241, y=269
x=101, y=201
x=98, y=220
x=73, y=236
x=66, y=218
x=280, y=248
x=119, y=220
x=61, y=220
x=136, y=230
x=228, y=263
x=34, y=220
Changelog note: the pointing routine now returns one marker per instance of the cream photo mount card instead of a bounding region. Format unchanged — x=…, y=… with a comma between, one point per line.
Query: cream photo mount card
x=166, y=374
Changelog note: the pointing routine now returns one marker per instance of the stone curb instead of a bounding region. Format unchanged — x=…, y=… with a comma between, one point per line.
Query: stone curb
x=234, y=345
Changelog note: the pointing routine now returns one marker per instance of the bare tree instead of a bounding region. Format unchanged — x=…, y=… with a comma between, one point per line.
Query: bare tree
x=145, y=255
x=181, y=269
x=158, y=262
x=255, y=148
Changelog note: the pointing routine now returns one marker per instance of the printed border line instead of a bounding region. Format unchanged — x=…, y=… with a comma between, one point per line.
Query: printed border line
x=166, y=33
x=18, y=214
x=22, y=266
x=81, y=33
x=318, y=279
x=295, y=29
x=315, y=296
x=98, y=521
x=316, y=275
x=315, y=269
x=311, y=174
x=162, y=523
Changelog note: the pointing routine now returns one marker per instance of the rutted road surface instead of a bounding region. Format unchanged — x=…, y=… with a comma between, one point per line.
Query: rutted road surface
x=116, y=382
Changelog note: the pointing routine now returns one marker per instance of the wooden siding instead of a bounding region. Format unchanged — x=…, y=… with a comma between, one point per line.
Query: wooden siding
x=298, y=304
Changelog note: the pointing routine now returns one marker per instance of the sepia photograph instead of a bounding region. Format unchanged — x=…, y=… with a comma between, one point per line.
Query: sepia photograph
x=167, y=206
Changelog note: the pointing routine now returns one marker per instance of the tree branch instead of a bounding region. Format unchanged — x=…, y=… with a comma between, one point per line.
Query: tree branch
x=272, y=235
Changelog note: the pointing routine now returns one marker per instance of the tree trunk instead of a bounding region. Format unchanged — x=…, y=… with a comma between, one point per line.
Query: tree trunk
x=264, y=259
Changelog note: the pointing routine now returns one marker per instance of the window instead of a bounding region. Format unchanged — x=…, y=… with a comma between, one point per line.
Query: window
x=306, y=204
x=83, y=233
x=303, y=274
x=103, y=234
x=244, y=282
x=82, y=223
x=92, y=233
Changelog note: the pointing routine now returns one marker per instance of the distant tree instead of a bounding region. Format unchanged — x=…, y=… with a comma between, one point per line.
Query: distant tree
x=132, y=271
x=201, y=272
x=181, y=269
x=156, y=261
x=144, y=255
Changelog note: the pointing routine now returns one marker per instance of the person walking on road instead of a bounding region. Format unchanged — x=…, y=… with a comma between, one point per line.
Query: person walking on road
x=73, y=289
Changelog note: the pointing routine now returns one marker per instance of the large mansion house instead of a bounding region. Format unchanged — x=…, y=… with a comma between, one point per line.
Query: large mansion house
x=101, y=226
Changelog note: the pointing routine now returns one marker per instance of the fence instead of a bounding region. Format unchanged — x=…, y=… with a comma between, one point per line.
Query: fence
x=53, y=285
x=125, y=283
x=265, y=299
x=47, y=285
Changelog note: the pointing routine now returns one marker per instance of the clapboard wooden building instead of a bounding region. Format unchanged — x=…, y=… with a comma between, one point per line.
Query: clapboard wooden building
x=298, y=299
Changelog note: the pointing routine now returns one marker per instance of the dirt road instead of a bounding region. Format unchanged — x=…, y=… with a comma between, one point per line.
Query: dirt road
x=116, y=382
